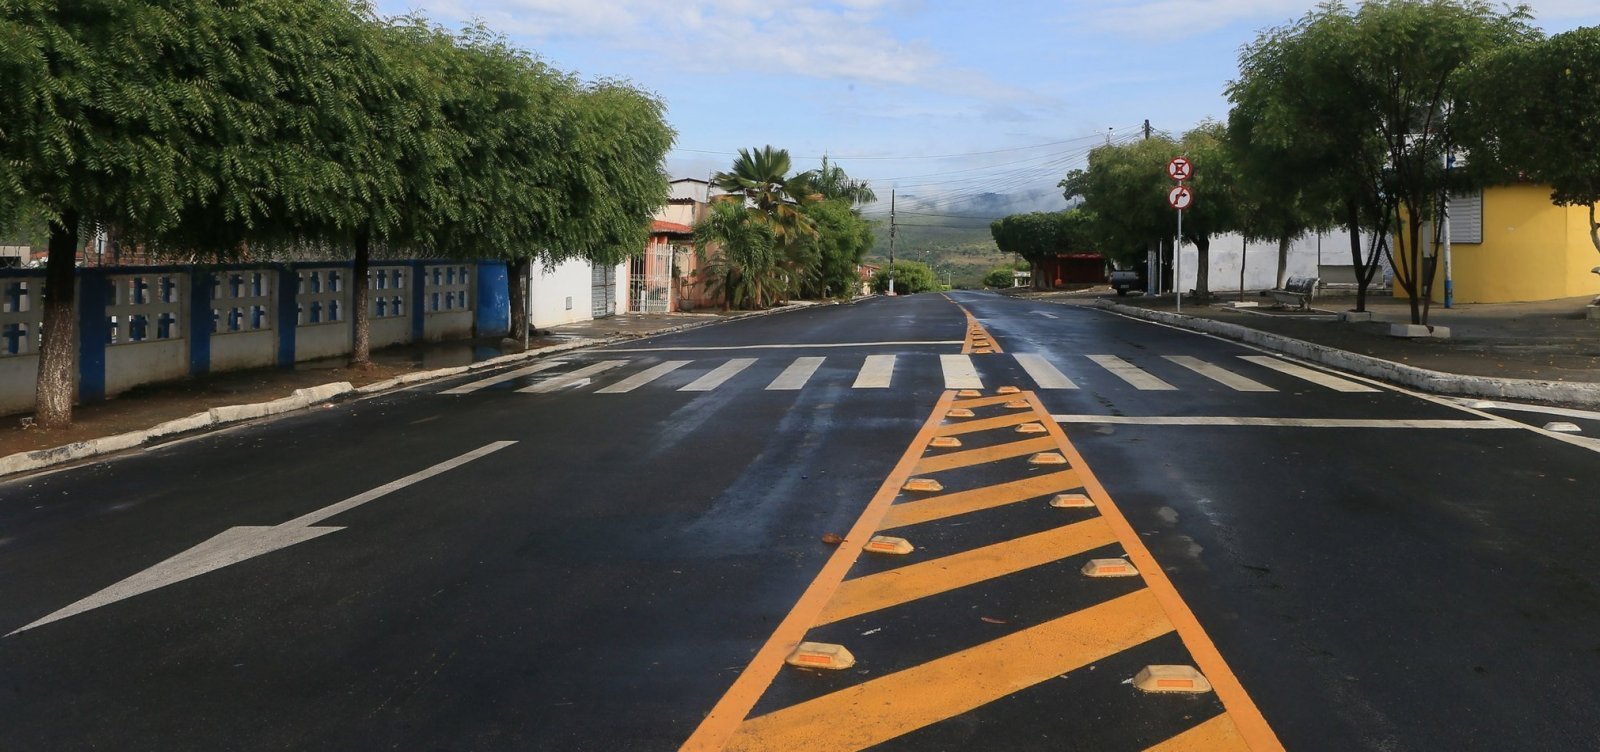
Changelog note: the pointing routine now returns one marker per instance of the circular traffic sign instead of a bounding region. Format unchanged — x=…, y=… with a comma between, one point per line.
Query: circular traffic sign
x=1180, y=168
x=1180, y=197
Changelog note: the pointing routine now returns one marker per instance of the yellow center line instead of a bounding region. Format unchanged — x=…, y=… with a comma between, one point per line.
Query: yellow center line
x=908, y=583
x=981, y=455
x=988, y=497
x=978, y=338
x=1216, y=735
x=723, y=721
x=985, y=424
x=1252, y=727
x=881, y=709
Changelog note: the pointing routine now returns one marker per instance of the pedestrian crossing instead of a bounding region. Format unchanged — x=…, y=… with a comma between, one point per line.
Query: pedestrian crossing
x=1037, y=371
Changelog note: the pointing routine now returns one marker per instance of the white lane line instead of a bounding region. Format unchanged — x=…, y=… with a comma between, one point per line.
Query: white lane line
x=1044, y=374
x=801, y=346
x=796, y=375
x=876, y=373
x=1566, y=412
x=504, y=377
x=1131, y=373
x=1219, y=374
x=644, y=377
x=1312, y=375
x=568, y=378
x=959, y=373
x=237, y=544
x=718, y=375
x=1202, y=420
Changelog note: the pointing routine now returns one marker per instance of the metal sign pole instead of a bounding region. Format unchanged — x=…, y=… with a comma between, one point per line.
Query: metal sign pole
x=1177, y=261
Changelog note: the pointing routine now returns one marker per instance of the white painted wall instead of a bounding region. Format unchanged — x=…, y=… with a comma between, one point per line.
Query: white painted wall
x=1261, y=263
x=561, y=295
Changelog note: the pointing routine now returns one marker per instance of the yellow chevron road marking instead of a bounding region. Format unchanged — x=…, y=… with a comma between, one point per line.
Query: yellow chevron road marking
x=1216, y=735
x=962, y=502
x=983, y=455
x=908, y=583
x=881, y=709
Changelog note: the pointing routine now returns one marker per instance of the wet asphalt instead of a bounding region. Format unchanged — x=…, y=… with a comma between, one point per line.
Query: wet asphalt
x=598, y=584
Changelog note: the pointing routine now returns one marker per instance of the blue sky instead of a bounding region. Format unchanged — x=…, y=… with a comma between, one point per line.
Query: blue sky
x=889, y=87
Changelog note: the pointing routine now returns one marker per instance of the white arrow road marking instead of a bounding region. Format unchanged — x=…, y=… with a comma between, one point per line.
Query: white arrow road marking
x=1046, y=315
x=236, y=544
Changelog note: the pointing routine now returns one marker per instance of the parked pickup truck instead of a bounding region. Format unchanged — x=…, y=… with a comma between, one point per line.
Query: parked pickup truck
x=1123, y=280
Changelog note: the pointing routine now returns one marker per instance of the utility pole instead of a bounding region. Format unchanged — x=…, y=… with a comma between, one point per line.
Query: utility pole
x=1147, y=129
x=891, y=241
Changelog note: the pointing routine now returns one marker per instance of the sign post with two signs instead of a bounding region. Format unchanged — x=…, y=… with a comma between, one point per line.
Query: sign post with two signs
x=1180, y=197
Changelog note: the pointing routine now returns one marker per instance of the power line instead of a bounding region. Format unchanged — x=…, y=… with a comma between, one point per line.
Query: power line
x=908, y=158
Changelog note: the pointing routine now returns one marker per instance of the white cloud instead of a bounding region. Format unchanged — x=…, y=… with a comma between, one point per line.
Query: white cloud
x=847, y=40
x=1180, y=19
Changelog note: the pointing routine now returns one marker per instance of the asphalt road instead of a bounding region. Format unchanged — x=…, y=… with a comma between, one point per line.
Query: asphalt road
x=598, y=562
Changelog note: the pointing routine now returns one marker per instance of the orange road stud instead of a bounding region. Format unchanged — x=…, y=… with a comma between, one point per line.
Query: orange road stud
x=1031, y=428
x=1071, y=501
x=958, y=412
x=1018, y=405
x=1047, y=458
x=821, y=655
x=888, y=544
x=1171, y=679
x=969, y=393
x=1007, y=390
x=928, y=485
x=1109, y=568
x=945, y=442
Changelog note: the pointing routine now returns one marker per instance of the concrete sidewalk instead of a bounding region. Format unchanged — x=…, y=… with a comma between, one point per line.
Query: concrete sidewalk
x=147, y=406
x=1549, y=341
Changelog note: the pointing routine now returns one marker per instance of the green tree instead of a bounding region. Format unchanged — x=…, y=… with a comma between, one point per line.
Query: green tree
x=830, y=182
x=1379, y=82
x=1534, y=109
x=999, y=278
x=106, y=102
x=1216, y=186
x=910, y=277
x=843, y=239
x=1126, y=188
x=761, y=177
x=739, y=258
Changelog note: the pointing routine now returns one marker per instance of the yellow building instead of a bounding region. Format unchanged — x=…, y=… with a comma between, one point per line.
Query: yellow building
x=1510, y=244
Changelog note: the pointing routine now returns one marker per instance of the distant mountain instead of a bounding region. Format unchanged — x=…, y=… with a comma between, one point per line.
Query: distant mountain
x=951, y=232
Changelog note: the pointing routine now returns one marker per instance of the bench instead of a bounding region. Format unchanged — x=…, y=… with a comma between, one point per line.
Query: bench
x=1297, y=291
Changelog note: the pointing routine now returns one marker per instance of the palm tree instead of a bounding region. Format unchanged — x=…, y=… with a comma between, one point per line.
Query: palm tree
x=761, y=178
x=831, y=183
x=746, y=268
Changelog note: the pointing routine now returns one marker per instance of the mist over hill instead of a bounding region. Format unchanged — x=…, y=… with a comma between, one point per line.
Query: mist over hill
x=950, y=232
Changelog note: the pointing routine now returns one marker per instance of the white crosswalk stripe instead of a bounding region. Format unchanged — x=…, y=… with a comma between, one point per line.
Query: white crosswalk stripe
x=571, y=377
x=515, y=373
x=959, y=373
x=1044, y=374
x=796, y=375
x=644, y=377
x=1312, y=375
x=719, y=375
x=1219, y=374
x=876, y=373
x=1134, y=375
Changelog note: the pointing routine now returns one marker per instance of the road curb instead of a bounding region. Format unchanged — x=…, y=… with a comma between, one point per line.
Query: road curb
x=1438, y=382
x=39, y=459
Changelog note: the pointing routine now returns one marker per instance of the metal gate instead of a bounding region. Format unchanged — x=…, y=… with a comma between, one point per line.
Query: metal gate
x=650, y=284
x=602, y=290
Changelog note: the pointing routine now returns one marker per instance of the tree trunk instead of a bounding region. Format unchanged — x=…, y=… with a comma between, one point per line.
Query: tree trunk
x=1353, y=223
x=53, y=391
x=1283, y=260
x=1594, y=229
x=1202, y=267
x=1244, y=255
x=519, y=295
x=360, y=339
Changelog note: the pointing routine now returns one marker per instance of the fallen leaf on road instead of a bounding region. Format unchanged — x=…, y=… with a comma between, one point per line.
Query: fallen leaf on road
x=832, y=539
